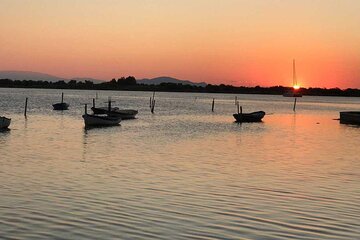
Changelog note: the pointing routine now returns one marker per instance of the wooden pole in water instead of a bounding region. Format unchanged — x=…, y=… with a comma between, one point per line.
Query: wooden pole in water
x=62, y=97
x=152, y=103
x=153, y=106
x=109, y=105
x=93, y=102
x=26, y=103
x=85, y=109
x=294, y=108
x=241, y=109
x=213, y=105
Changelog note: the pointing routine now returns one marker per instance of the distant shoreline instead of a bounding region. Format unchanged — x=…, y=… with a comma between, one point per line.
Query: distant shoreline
x=130, y=84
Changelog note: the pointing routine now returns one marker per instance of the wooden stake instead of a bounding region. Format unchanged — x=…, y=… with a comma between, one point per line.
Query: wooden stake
x=152, y=103
x=213, y=105
x=26, y=103
x=294, y=108
x=85, y=109
x=241, y=109
x=93, y=102
x=109, y=106
x=62, y=97
x=153, y=106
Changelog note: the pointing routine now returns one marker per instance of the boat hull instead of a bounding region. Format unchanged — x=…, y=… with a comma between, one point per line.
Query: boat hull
x=4, y=122
x=116, y=112
x=350, y=117
x=61, y=106
x=95, y=120
x=103, y=110
x=249, y=117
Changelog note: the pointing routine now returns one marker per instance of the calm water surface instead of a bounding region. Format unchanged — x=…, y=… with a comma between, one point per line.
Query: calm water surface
x=182, y=173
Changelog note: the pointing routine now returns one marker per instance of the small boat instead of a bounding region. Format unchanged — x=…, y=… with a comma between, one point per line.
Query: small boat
x=123, y=113
x=103, y=110
x=249, y=117
x=295, y=91
x=115, y=111
x=4, y=122
x=62, y=105
x=100, y=120
x=352, y=117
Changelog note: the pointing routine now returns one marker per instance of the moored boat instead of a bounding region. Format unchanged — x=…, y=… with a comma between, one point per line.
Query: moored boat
x=249, y=117
x=4, y=122
x=292, y=94
x=62, y=105
x=352, y=117
x=96, y=120
x=115, y=111
x=100, y=120
x=103, y=110
x=123, y=113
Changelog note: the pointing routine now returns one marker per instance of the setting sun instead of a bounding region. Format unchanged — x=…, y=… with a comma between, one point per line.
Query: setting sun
x=296, y=87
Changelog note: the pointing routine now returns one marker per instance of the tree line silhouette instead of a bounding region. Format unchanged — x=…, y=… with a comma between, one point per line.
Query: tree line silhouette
x=129, y=83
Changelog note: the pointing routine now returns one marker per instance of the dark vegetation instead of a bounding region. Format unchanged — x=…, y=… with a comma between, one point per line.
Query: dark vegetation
x=130, y=84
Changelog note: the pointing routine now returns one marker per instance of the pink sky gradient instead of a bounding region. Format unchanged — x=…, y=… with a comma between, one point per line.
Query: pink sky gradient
x=239, y=42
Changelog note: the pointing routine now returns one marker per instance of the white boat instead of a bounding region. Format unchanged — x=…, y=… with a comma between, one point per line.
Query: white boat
x=4, y=122
x=352, y=117
x=115, y=111
x=100, y=120
x=295, y=91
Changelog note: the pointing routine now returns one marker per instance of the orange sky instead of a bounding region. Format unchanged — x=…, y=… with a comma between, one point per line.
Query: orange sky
x=239, y=42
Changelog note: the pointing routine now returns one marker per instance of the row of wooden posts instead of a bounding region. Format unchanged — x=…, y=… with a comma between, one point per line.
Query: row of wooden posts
x=239, y=108
x=152, y=104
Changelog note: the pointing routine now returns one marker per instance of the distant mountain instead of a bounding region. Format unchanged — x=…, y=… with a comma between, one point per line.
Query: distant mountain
x=27, y=75
x=83, y=79
x=159, y=80
x=37, y=76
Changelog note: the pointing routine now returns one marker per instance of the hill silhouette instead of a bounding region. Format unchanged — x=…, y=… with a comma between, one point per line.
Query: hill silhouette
x=131, y=84
x=159, y=80
x=38, y=76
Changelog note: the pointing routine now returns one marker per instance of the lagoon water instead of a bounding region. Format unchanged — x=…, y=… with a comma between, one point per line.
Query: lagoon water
x=181, y=173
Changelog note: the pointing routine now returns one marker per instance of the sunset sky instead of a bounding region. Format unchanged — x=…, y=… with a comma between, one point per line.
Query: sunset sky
x=238, y=42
